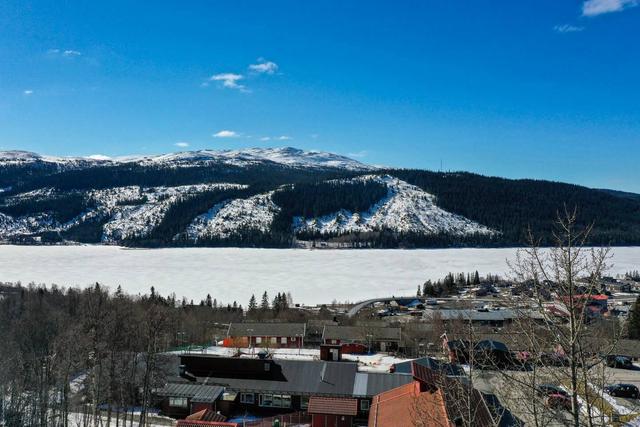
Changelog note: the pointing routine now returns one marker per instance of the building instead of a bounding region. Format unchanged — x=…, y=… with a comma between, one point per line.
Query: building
x=494, y=318
x=179, y=399
x=267, y=387
x=430, y=400
x=332, y=411
x=358, y=339
x=265, y=335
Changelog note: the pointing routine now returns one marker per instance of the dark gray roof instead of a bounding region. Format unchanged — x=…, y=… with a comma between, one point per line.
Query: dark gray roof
x=196, y=392
x=479, y=316
x=266, y=329
x=431, y=363
x=368, y=384
x=300, y=377
x=359, y=333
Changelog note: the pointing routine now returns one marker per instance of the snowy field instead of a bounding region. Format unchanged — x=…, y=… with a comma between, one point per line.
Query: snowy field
x=228, y=274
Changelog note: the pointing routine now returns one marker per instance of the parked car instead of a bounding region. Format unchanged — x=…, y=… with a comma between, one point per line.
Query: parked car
x=622, y=390
x=558, y=401
x=549, y=389
x=619, y=362
x=553, y=359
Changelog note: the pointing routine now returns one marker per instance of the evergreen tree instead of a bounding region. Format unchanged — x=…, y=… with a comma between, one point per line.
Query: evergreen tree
x=209, y=302
x=476, y=278
x=419, y=292
x=253, y=305
x=633, y=324
x=264, y=305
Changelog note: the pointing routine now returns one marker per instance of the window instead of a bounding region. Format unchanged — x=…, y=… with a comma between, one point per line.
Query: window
x=304, y=402
x=275, y=400
x=258, y=340
x=178, y=402
x=283, y=340
x=248, y=398
x=364, y=405
x=274, y=340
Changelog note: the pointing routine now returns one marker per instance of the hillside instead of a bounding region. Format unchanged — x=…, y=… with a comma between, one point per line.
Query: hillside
x=281, y=196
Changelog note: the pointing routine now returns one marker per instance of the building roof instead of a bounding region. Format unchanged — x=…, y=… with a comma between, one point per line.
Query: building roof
x=431, y=363
x=406, y=406
x=266, y=329
x=300, y=377
x=206, y=415
x=480, y=316
x=333, y=405
x=360, y=333
x=189, y=423
x=369, y=384
x=202, y=393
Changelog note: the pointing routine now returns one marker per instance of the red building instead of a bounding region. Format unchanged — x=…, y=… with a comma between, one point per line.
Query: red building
x=332, y=411
x=265, y=335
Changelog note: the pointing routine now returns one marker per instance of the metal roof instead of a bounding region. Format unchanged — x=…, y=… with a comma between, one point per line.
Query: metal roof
x=266, y=329
x=195, y=392
x=299, y=377
x=368, y=384
x=431, y=363
x=481, y=316
x=360, y=333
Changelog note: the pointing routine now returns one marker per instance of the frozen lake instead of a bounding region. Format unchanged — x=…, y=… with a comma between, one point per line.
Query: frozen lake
x=230, y=274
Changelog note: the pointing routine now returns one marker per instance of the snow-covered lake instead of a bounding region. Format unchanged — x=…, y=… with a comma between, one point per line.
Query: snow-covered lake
x=228, y=274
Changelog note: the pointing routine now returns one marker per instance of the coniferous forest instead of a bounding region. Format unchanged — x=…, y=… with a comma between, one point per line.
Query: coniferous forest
x=507, y=206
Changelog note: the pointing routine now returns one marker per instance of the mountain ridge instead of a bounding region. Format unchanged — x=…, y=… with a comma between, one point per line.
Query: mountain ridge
x=277, y=197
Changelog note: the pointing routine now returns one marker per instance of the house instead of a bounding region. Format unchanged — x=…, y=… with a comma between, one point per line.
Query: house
x=267, y=387
x=449, y=369
x=267, y=335
x=358, y=339
x=178, y=400
x=486, y=353
x=430, y=400
x=495, y=318
x=332, y=411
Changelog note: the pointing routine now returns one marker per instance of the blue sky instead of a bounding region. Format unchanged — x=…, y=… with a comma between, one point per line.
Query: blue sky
x=539, y=89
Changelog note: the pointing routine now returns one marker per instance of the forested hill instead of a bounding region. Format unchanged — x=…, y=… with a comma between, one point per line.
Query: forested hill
x=286, y=197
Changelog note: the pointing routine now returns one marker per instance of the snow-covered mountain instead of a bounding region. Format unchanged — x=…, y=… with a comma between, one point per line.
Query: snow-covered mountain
x=287, y=156
x=277, y=197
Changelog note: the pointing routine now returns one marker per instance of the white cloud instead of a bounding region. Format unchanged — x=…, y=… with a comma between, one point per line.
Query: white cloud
x=226, y=134
x=67, y=53
x=598, y=7
x=265, y=138
x=229, y=80
x=181, y=144
x=28, y=92
x=359, y=154
x=567, y=28
x=264, y=67
x=283, y=138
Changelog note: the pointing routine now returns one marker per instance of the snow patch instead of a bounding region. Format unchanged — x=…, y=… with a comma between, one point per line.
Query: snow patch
x=255, y=213
x=406, y=208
